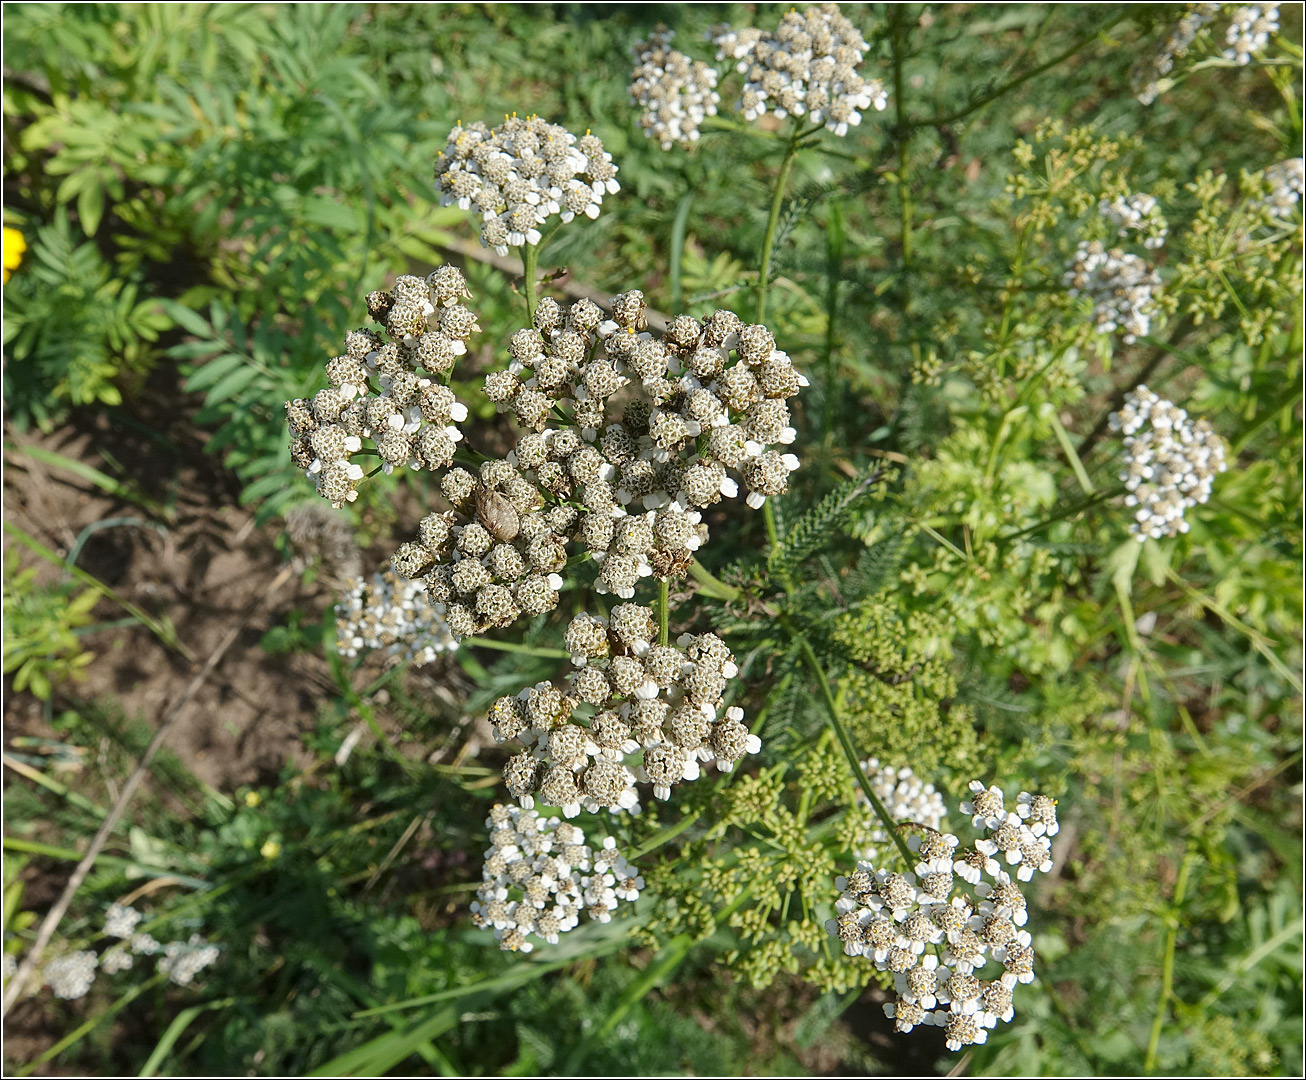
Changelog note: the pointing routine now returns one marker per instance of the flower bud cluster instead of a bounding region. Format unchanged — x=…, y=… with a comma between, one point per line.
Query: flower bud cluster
x=1148, y=75
x=388, y=612
x=521, y=173
x=1168, y=465
x=540, y=874
x=807, y=67
x=907, y=798
x=1122, y=287
x=673, y=91
x=951, y=931
x=660, y=701
x=383, y=388
x=1136, y=214
x=1249, y=31
x=1286, y=180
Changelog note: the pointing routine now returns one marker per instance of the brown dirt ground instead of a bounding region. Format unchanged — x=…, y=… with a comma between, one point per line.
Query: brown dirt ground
x=211, y=563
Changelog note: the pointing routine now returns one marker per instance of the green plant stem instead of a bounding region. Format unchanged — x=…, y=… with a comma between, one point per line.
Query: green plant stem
x=664, y=610
x=1069, y=512
x=772, y=221
x=711, y=585
x=845, y=741
x=940, y=119
x=529, y=257
x=514, y=647
x=1167, y=963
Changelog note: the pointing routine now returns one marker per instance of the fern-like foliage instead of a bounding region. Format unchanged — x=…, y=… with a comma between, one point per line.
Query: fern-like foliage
x=812, y=532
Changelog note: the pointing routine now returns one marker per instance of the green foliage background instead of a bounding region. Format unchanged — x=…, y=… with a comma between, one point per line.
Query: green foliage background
x=212, y=189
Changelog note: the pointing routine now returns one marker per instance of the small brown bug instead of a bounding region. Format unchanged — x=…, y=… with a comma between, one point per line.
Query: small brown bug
x=496, y=513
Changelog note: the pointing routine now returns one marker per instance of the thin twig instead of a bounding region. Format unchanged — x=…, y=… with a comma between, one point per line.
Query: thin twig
x=56, y=913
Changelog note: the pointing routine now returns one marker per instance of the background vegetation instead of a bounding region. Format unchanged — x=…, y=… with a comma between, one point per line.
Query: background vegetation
x=207, y=192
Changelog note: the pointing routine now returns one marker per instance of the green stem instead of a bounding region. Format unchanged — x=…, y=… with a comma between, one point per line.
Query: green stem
x=768, y=240
x=1069, y=512
x=845, y=741
x=664, y=610
x=940, y=119
x=529, y=256
x=711, y=585
x=1167, y=964
x=514, y=647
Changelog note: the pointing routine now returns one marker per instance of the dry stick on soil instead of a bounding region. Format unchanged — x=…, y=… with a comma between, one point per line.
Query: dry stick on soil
x=56, y=913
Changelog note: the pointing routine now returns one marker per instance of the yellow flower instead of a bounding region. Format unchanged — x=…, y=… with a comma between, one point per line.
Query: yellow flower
x=15, y=245
x=270, y=850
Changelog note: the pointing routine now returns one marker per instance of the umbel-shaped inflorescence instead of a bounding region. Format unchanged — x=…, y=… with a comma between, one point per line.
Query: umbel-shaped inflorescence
x=952, y=931
x=520, y=174
x=674, y=92
x=1168, y=465
x=539, y=876
x=628, y=696
x=388, y=612
x=384, y=388
x=628, y=438
x=806, y=67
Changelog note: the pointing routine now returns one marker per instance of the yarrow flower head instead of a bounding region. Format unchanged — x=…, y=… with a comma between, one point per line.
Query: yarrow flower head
x=1249, y=31
x=956, y=952
x=1286, y=181
x=1148, y=74
x=659, y=701
x=629, y=483
x=71, y=976
x=674, y=92
x=384, y=389
x=806, y=67
x=539, y=875
x=120, y=922
x=907, y=798
x=1168, y=465
x=183, y=960
x=1136, y=214
x=391, y=613
x=520, y=174
x=1122, y=287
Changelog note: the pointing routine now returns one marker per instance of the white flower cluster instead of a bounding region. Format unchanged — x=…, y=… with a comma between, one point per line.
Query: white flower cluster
x=72, y=975
x=120, y=922
x=539, y=875
x=1249, y=31
x=495, y=556
x=1287, y=181
x=183, y=960
x=628, y=486
x=673, y=91
x=1121, y=285
x=907, y=798
x=391, y=613
x=1148, y=74
x=385, y=390
x=893, y=919
x=520, y=174
x=660, y=701
x=1136, y=214
x=1168, y=465
x=807, y=66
